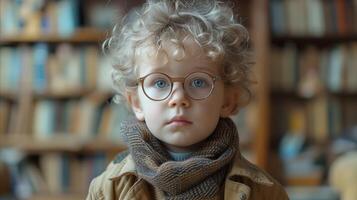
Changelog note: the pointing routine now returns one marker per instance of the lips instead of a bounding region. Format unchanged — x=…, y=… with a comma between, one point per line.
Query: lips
x=179, y=121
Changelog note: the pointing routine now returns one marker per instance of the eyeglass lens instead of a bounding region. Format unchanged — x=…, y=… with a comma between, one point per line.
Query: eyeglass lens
x=197, y=85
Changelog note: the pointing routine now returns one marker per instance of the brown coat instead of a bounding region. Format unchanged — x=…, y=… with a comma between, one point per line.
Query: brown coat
x=245, y=182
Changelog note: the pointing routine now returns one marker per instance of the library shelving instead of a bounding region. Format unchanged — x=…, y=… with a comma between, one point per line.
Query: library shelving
x=313, y=49
x=54, y=93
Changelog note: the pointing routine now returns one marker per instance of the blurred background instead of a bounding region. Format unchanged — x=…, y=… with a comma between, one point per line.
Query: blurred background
x=59, y=125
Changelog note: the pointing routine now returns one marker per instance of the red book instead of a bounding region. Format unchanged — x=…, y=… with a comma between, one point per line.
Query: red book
x=341, y=16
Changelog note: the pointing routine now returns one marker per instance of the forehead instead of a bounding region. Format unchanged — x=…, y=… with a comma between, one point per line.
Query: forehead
x=172, y=56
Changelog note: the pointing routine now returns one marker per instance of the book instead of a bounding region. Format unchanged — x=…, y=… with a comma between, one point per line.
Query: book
x=5, y=60
x=5, y=109
x=351, y=69
x=40, y=56
x=36, y=179
x=88, y=112
x=104, y=128
x=16, y=63
x=335, y=117
x=289, y=67
x=104, y=74
x=309, y=82
x=103, y=16
x=315, y=18
x=336, y=68
x=67, y=17
x=44, y=119
x=341, y=16
x=51, y=166
x=277, y=15
x=31, y=17
x=318, y=117
x=91, y=66
x=312, y=70
x=9, y=20
x=349, y=114
x=312, y=17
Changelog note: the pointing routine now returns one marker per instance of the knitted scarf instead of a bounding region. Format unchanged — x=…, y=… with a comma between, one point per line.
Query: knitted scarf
x=199, y=177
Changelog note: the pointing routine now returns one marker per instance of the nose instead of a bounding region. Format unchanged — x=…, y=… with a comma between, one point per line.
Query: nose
x=178, y=96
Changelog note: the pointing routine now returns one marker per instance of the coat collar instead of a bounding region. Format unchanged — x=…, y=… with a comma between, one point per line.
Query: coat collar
x=125, y=167
x=241, y=167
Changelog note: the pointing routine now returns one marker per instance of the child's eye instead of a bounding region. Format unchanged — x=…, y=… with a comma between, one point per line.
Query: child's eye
x=161, y=83
x=198, y=83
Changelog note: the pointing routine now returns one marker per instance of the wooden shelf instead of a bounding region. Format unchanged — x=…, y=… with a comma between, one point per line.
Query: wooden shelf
x=100, y=144
x=64, y=143
x=344, y=94
x=276, y=93
x=82, y=35
x=97, y=95
x=9, y=95
x=313, y=180
x=65, y=94
x=294, y=95
x=57, y=197
x=317, y=40
x=68, y=94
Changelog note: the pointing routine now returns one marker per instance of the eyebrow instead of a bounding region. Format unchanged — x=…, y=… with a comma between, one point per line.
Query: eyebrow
x=196, y=68
x=206, y=69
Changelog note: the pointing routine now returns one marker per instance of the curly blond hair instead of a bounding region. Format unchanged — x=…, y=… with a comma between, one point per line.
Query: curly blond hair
x=210, y=23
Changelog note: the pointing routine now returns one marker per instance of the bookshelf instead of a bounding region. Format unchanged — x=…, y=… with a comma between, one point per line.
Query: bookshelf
x=312, y=84
x=54, y=92
x=91, y=131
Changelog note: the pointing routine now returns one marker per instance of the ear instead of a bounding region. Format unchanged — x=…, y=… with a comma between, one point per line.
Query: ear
x=134, y=102
x=230, y=103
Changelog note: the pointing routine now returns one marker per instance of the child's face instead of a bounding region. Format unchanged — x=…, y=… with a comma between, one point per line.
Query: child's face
x=179, y=121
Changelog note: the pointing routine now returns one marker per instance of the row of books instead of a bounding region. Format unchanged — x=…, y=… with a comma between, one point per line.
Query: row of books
x=313, y=17
x=83, y=118
x=56, y=17
x=60, y=69
x=36, y=17
x=57, y=173
x=318, y=120
x=311, y=70
x=7, y=114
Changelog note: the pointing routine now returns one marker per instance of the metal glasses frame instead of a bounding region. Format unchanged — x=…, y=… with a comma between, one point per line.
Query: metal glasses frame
x=178, y=79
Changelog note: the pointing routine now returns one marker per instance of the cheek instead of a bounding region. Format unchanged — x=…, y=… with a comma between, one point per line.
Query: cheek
x=210, y=109
x=215, y=101
x=152, y=111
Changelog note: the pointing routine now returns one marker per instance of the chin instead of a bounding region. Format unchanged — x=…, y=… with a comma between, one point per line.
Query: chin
x=183, y=144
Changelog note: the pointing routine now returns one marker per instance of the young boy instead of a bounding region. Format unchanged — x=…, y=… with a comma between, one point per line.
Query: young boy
x=182, y=67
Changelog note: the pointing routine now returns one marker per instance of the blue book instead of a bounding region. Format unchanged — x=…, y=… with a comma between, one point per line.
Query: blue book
x=9, y=18
x=44, y=119
x=65, y=172
x=277, y=17
x=15, y=69
x=336, y=69
x=40, y=56
x=68, y=18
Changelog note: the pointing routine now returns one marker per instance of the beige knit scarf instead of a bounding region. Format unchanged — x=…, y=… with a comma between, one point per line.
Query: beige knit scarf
x=199, y=177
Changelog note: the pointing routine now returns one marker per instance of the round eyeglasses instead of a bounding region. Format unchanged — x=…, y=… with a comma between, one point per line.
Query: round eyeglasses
x=158, y=86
